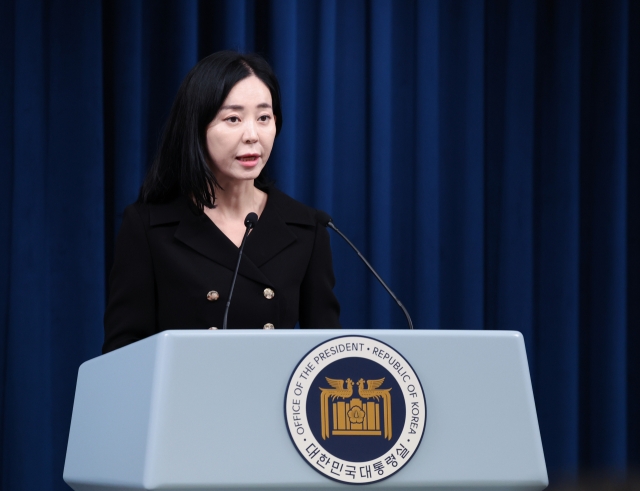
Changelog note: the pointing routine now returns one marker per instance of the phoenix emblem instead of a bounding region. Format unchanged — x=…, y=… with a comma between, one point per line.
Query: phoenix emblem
x=355, y=416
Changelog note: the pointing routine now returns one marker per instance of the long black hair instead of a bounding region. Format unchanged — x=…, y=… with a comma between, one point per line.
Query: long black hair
x=181, y=166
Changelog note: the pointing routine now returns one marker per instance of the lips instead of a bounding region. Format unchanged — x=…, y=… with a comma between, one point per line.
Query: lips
x=248, y=160
x=248, y=157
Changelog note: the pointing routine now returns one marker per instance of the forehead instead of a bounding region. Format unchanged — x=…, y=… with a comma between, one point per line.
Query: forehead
x=249, y=91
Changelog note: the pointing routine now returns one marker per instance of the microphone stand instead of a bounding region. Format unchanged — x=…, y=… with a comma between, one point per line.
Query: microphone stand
x=326, y=218
x=249, y=222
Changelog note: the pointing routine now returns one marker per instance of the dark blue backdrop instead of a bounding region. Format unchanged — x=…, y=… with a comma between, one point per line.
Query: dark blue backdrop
x=483, y=154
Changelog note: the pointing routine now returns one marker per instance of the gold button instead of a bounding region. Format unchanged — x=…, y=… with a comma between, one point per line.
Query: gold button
x=268, y=325
x=213, y=295
x=269, y=293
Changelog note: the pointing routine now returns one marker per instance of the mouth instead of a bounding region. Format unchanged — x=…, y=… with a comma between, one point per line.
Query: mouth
x=248, y=159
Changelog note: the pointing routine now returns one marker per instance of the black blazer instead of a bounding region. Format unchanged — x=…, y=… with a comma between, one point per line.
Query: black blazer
x=168, y=259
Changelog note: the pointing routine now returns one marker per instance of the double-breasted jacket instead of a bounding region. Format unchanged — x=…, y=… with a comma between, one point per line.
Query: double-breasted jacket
x=173, y=270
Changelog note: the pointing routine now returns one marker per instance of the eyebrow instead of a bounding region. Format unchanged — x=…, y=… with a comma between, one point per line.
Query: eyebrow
x=237, y=107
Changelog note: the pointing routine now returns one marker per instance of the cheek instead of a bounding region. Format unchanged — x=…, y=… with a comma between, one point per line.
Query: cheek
x=218, y=144
x=268, y=139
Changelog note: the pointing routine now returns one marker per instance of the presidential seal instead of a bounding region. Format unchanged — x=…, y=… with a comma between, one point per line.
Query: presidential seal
x=355, y=409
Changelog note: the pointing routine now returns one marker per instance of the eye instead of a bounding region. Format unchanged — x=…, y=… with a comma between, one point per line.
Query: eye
x=233, y=119
x=264, y=118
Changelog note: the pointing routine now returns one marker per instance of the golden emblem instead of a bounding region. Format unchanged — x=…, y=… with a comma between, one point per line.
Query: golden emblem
x=355, y=417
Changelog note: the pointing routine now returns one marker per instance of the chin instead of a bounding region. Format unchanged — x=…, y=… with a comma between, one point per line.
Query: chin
x=250, y=174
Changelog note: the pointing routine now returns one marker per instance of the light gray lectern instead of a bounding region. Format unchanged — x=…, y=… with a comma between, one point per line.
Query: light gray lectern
x=204, y=410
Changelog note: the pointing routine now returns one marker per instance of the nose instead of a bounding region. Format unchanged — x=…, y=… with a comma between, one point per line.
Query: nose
x=250, y=132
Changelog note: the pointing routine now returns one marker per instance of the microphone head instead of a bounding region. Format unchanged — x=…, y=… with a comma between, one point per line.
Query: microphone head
x=323, y=218
x=251, y=220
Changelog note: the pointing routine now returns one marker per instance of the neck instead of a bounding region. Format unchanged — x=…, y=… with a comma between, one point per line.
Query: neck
x=237, y=198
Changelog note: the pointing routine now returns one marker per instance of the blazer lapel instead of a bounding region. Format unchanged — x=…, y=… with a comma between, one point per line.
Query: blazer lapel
x=271, y=235
x=200, y=234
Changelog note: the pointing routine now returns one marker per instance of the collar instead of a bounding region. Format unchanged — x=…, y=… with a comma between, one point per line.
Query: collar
x=271, y=235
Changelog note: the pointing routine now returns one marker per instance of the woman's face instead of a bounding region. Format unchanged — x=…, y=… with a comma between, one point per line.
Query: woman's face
x=240, y=137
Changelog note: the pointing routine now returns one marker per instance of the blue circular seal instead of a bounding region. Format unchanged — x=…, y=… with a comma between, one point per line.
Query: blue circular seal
x=355, y=409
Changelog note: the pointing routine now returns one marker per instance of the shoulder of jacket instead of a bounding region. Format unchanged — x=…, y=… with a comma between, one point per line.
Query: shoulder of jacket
x=291, y=210
x=152, y=214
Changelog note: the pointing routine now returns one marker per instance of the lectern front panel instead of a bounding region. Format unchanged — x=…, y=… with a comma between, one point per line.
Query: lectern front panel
x=187, y=410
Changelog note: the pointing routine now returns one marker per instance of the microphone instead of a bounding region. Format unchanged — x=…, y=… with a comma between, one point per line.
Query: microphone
x=249, y=222
x=325, y=220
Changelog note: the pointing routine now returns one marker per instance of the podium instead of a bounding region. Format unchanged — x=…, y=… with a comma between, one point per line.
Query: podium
x=205, y=410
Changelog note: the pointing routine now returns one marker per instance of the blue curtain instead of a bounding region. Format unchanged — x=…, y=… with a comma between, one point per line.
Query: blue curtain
x=484, y=155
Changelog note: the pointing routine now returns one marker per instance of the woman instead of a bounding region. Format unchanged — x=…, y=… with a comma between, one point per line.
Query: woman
x=178, y=246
